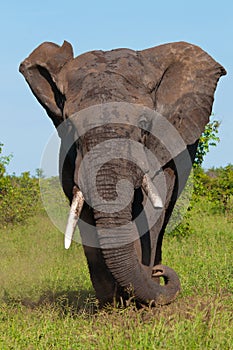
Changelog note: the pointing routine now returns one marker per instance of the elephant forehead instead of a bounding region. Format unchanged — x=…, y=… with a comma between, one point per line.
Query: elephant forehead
x=97, y=88
x=114, y=59
x=122, y=62
x=116, y=75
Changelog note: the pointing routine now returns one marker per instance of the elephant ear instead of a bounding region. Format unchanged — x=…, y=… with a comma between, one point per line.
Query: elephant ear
x=182, y=79
x=41, y=69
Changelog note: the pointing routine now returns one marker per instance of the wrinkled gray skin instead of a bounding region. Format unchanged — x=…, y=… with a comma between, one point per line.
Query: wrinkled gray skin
x=177, y=80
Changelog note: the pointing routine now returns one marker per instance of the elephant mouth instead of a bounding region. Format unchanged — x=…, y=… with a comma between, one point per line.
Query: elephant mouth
x=78, y=202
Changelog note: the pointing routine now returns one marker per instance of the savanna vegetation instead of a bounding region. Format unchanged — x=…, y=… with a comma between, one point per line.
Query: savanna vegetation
x=46, y=297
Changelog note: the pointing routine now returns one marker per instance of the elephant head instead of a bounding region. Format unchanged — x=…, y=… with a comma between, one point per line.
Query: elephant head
x=129, y=123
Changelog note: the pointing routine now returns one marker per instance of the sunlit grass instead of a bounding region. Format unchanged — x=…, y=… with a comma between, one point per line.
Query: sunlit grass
x=47, y=300
x=34, y=261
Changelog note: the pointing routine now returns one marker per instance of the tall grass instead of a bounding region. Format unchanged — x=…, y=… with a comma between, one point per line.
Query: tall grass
x=47, y=300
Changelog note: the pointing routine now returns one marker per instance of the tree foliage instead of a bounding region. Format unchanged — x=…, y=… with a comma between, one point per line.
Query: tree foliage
x=213, y=187
x=4, y=161
x=208, y=138
x=19, y=195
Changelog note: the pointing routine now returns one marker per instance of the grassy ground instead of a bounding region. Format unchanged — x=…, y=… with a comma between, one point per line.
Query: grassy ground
x=47, y=301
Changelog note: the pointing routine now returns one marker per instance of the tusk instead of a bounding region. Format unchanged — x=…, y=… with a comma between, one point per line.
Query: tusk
x=151, y=192
x=75, y=211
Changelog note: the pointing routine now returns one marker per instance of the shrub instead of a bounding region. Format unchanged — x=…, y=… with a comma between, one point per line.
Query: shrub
x=19, y=195
x=214, y=187
x=208, y=138
x=221, y=187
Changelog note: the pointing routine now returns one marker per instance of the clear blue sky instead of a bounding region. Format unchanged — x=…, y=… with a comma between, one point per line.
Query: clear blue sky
x=89, y=25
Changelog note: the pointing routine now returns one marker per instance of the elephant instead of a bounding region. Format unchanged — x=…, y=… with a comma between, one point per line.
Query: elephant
x=129, y=122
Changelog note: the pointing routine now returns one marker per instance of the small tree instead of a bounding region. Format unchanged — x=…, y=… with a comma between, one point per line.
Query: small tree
x=19, y=195
x=199, y=178
x=222, y=187
x=208, y=138
x=4, y=161
x=40, y=173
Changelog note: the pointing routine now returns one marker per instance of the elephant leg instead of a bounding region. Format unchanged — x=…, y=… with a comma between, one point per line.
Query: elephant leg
x=106, y=288
x=172, y=194
x=144, y=253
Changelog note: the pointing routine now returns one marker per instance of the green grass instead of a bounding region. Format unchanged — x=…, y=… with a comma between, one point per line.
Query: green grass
x=47, y=300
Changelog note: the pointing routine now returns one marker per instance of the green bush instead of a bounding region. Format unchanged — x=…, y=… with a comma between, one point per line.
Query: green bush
x=220, y=187
x=208, y=138
x=214, y=190
x=19, y=195
x=213, y=187
x=19, y=198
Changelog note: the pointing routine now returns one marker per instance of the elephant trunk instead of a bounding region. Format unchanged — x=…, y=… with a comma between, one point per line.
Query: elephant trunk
x=116, y=235
x=118, y=249
x=126, y=268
